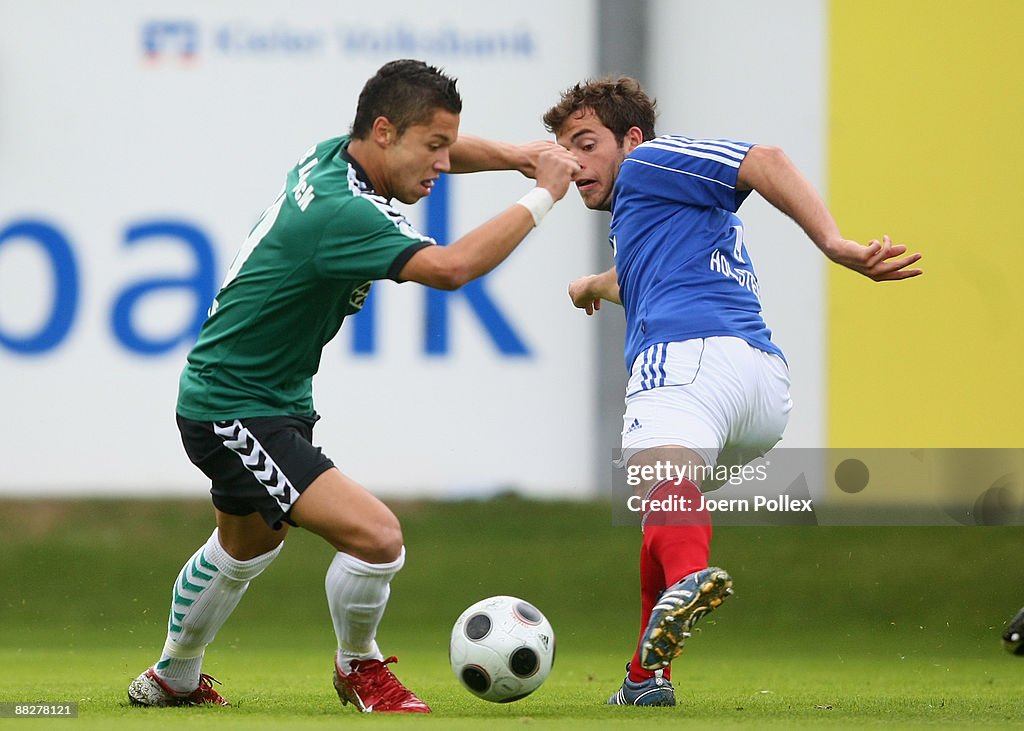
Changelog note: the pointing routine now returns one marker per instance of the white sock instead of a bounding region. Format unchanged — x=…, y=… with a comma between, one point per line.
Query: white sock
x=207, y=590
x=357, y=593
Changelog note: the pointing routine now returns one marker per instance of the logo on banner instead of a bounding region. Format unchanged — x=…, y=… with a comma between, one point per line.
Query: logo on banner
x=179, y=40
x=175, y=39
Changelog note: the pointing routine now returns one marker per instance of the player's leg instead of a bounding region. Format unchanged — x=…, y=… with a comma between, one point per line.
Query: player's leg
x=208, y=589
x=645, y=687
x=678, y=533
x=660, y=407
x=238, y=457
x=675, y=543
x=349, y=517
x=677, y=540
x=744, y=393
x=368, y=539
x=246, y=537
x=680, y=407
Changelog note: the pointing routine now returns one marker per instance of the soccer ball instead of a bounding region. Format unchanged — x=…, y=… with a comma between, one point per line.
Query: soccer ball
x=502, y=649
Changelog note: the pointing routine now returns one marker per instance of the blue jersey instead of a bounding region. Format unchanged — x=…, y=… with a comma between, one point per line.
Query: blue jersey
x=682, y=265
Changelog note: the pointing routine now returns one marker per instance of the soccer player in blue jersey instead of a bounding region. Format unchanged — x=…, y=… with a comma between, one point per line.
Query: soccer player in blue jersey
x=707, y=386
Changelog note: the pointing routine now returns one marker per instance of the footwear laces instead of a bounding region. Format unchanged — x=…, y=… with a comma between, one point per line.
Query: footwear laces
x=206, y=693
x=390, y=690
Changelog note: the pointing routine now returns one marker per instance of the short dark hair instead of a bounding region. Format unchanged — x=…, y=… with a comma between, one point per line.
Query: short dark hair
x=618, y=101
x=407, y=92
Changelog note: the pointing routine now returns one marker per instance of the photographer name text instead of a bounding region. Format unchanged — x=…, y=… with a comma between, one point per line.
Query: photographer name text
x=759, y=504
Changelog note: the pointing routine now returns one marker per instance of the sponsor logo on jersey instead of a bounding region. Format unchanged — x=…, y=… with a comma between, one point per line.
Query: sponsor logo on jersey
x=359, y=295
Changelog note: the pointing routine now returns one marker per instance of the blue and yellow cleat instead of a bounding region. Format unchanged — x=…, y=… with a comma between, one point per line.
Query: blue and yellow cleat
x=655, y=691
x=677, y=611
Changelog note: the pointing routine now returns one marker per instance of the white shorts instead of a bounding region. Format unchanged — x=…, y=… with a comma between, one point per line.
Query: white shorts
x=720, y=397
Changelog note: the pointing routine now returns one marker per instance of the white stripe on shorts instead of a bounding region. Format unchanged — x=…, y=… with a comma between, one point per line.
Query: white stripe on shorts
x=255, y=458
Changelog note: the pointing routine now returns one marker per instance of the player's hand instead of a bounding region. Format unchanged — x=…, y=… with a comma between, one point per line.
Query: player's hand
x=556, y=167
x=583, y=295
x=881, y=261
x=528, y=155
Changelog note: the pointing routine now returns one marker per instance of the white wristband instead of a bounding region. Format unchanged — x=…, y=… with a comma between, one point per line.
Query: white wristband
x=538, y=202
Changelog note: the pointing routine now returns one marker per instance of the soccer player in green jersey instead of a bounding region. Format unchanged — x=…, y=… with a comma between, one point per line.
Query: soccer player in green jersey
x=245, y=407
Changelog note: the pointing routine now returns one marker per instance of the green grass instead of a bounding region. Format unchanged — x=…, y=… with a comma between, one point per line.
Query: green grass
x=831, y=627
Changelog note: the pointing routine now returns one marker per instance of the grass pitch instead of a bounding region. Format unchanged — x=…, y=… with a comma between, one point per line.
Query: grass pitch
x=830, y=627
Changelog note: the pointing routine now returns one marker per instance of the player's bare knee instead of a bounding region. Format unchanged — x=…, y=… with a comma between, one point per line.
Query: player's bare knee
x=376, y=543
x=386, y=544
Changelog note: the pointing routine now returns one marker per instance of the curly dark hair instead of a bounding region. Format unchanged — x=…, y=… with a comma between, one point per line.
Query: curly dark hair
x=407, y=92
x=618, y=101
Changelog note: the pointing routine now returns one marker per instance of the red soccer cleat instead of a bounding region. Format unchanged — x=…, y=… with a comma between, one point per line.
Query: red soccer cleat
x=149, y=690
x=373, y=688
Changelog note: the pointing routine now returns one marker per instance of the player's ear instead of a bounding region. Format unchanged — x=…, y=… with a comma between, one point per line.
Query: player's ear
x=384, y=132
x=633, y=138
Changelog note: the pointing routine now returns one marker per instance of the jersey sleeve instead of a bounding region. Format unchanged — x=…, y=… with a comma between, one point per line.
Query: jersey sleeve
x=687, y=171
x=368, y=239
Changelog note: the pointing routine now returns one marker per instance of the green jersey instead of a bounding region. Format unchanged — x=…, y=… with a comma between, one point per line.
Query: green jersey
x=307, y=264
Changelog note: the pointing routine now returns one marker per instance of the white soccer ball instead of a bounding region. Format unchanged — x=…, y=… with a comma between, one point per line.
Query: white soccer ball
x=502, y=649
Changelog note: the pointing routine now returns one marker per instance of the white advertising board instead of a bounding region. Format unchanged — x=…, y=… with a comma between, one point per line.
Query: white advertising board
x=139, y=141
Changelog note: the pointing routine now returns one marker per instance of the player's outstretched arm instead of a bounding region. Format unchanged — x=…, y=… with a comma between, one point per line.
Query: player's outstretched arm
x=771, y=173
x=587, y=292
x=486, y=246
x=472, y=154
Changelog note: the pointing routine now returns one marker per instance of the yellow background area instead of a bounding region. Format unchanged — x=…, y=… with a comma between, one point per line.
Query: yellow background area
x=927, y=144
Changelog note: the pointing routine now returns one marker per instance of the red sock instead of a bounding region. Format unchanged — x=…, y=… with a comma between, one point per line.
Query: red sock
x=674, y=545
